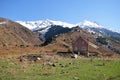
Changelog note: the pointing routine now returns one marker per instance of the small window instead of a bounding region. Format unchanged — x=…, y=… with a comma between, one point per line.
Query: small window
x=84, y=48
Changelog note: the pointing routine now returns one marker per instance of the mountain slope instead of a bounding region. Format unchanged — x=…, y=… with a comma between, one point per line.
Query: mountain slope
x=14, y=34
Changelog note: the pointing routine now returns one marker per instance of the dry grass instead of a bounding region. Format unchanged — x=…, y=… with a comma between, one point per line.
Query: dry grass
x=14, y=34
x=4, y=52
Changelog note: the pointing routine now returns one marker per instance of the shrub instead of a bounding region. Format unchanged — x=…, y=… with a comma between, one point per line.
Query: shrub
x=102, y=40
x=54, y=50
x=48, y=41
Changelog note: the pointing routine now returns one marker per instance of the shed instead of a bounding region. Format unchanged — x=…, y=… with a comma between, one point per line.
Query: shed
x=80, y=46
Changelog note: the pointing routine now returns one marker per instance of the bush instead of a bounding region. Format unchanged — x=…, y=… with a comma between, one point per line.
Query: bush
x=69, y=50
x=48, y=41
x=21, y=45
x=54, y=50
x=102, y=40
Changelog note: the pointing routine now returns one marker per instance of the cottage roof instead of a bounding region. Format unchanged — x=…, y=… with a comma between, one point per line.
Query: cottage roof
x=77, y=38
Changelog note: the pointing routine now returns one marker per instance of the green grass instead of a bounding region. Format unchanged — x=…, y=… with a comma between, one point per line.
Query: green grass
x=65, y=69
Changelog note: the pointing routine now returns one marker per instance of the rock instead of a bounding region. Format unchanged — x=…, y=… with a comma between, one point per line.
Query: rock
x=76, y=78
x=74, y=56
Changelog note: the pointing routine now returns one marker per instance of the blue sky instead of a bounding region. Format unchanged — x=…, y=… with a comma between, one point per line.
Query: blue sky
x=105, y=12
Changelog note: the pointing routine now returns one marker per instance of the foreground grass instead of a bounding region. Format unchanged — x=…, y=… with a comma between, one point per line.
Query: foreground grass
x=64, y=69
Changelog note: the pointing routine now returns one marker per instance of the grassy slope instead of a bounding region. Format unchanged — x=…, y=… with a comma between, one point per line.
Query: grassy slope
x=65, y=69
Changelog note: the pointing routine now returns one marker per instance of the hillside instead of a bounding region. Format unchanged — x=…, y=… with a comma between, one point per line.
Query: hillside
x=14, y=34
x=63, y=43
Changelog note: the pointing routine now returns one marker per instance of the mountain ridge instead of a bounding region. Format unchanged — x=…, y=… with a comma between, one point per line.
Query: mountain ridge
x=43, y=23
x=41, y=27
x=48, y=22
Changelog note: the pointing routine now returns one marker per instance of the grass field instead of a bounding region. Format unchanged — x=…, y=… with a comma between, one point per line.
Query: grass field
x=63, y=69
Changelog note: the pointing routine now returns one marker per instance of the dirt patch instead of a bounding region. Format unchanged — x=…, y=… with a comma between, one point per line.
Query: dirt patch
x=38, y=57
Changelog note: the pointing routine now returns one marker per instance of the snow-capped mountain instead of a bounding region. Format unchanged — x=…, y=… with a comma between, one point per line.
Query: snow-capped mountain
x=48, y=27
x=35, y=25
x=97, y=28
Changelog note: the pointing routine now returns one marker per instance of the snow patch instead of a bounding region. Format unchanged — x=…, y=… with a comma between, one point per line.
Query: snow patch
x=87, y=23
x=2, y=22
